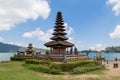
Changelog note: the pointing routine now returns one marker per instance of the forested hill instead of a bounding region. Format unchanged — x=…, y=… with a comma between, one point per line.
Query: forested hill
x=8, y=47
x=113, y=49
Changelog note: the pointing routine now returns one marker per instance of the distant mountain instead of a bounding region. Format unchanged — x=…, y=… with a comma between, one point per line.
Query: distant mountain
x=4, y=47
x=8, y=47
x=86, y=51
x=23, y=49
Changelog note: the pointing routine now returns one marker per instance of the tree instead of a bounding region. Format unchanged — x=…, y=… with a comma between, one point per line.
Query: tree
x=71, y=50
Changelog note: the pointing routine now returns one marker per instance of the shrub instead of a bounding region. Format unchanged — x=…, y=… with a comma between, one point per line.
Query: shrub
x=85, y=69
x=34, y=61
x=43, y=68
x=20, y=58
x=75, y=67
x=70, y=65
x=55, y=71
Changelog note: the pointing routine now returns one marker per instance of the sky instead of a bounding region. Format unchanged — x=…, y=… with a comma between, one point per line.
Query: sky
x=90, y=24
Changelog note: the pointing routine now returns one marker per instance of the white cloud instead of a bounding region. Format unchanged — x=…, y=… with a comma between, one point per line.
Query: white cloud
x=17, y=11
x=39, y=34
x=1, y=39
x=21, y=44
x=71, y=39
x=18, y=44
x=69, y=29
x=116, y=6
x=46, y=35
x=92, y=48
x=116, y=33
x=97, y=47
x=78, y=44
x=70, y=32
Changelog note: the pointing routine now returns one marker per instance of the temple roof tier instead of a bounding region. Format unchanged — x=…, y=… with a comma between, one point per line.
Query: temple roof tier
x=59, y=37
x=59, y=26
x=59, y=43
x=59, y=23
x=59, y=29
x=59, y=32
x=29, y=50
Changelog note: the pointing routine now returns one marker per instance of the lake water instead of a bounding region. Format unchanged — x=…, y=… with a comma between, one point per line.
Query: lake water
x=6, y=56
x=108, y=56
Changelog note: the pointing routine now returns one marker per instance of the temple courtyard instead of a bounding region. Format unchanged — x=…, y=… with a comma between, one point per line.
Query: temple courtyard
x=16, y=71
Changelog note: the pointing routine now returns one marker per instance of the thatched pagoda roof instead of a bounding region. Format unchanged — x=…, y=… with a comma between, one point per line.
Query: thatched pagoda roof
x=59, y=43
x=29, y=50
x=59, y=29
x=59, y=32
x=59, y=37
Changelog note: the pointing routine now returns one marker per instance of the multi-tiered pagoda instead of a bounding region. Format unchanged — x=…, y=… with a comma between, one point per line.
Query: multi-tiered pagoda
x=59, y=41
x=30, y=51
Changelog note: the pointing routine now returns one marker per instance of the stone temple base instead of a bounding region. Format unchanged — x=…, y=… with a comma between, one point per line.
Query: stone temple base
x=61, y=58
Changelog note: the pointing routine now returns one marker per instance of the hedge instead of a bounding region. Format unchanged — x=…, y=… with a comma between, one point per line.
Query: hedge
x=58, y=70
x=60, y=65
x=20, y=58
x=35, y=61
x=85, y=69
x=44, y=69
x=70, y=65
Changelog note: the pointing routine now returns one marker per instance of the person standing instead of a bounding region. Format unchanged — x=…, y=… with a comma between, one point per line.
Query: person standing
x=116, y=59
x=115, y=63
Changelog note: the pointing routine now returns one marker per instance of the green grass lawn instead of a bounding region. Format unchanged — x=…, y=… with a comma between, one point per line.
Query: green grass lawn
x=15, y=71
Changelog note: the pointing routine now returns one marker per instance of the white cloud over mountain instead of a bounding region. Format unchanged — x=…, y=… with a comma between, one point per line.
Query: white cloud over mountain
x=1, y=39
x=116, y=33
x=18, y=44
x=116, y=6
x=17, y=11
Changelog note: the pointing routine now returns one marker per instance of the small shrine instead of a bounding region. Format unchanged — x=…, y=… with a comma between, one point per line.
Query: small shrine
x=29, y=51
